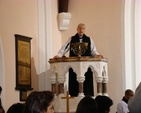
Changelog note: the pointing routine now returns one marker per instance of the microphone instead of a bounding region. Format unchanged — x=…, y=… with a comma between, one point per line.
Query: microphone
x=67, y=45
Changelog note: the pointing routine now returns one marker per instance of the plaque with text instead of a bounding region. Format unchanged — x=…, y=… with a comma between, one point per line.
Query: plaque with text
x=23, y=62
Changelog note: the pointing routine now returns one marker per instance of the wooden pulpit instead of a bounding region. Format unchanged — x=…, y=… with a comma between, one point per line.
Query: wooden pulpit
x=58, y=70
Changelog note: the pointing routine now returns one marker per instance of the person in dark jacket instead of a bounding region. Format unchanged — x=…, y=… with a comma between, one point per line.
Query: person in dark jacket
x=80, y=36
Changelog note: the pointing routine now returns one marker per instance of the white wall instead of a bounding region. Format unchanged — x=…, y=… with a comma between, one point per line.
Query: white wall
x=16, y=17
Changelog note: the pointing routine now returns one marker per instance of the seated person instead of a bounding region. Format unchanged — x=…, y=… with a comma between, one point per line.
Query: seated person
x=104, y=104
x=16, y=108
x=87, y=105
x=39, y=102
x=122, y=106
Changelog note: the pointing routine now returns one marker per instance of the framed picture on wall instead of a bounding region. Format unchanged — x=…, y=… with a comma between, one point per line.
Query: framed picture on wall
x=23, y=95
x=23, y=62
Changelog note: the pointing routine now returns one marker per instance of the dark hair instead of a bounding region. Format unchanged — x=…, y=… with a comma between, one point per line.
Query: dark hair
x=0, y=88
x=104, y=103
x=16, y=108
x=128, y=92
x=38, y=102
x=87, y=105
x=49, y=97
x=2, y=109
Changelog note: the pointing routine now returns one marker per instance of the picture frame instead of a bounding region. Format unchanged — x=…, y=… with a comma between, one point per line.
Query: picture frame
x=23, y=62
x=23, y=95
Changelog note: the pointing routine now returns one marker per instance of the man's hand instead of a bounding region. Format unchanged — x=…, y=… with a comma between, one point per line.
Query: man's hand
x=99, y=56
x=55, y=57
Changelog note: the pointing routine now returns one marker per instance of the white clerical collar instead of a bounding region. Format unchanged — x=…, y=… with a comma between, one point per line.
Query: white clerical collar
x=80, y=37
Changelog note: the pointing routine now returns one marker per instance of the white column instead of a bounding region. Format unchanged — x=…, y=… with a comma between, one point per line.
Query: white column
x=137, y=42
x=99, y=80
x=80, y=80
x=45, y=41
x=132, y=41
x=105, y=81
x=129, y=44
x=61, y=80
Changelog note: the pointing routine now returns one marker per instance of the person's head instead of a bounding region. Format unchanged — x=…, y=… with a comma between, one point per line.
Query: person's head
x=16, y=108
x=128, y=94
x=0, y=90
x=87, y=105
x=1, y=110
x=104, y=104
x=49, y=100
x=81, y=29
x=39, y=102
